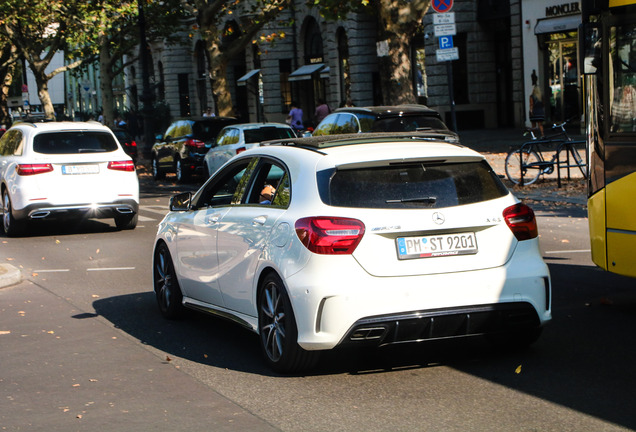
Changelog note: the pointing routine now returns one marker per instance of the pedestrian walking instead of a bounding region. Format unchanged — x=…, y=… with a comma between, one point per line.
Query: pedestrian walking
x=295, y=117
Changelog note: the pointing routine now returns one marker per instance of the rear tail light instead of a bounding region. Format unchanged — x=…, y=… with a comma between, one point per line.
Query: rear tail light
x=32, y=169
x=132, y=144
x=126, y=165
x=240, y=150
x=194, y=143
x=330, y=235
x=521, y=221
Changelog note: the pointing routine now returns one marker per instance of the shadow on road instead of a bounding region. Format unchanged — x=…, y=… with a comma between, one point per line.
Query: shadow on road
x=583, y=361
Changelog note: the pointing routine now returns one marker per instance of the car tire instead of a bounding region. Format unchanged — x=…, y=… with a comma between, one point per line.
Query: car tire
x=11, y=226
x=166, y=285
x=181, y=171
x=157, y=173
x=278, y=331
x=126, y=222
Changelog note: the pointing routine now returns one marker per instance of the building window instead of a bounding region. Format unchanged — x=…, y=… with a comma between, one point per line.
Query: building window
x=285, y=68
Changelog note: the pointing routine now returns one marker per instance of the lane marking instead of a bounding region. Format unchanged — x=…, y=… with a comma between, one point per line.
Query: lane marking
x=145, y=218
x=110, y=269
x=569, y=251
x=51, y=271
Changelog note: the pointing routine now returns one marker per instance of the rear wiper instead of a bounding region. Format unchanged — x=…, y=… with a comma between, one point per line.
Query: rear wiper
x=84, y=150
x=428, y=200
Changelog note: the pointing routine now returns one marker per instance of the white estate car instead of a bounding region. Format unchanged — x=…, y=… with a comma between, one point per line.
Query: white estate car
x=372, y=239
x=237, y=138
x=65, y=170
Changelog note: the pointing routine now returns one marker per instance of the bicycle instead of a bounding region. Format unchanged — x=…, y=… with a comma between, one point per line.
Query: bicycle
x=526, y=164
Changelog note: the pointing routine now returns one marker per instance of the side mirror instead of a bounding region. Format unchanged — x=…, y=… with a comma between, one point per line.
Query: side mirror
x=181, y=202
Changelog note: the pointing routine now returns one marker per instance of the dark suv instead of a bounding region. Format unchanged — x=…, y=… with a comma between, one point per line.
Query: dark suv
x=183, y=146
x=398, y=118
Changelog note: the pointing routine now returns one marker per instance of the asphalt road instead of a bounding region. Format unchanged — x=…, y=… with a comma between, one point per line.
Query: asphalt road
x=84, y=348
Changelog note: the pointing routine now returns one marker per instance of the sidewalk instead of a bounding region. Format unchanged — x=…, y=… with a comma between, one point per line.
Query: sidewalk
x=494, y=144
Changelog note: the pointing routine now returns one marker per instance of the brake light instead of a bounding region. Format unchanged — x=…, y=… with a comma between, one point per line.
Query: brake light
x=194, y=143
x=32, y=169
x=126, y=165
x=330, y=235
x=132, y=144
x=521, y=221
x=240, y=150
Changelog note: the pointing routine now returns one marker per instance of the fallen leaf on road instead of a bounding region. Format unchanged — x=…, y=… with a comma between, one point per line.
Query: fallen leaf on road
x=168, y=358
x=21, y=313
x=4, y=332
x=97, y=251
x=57, y=242
x=565, y=241
x=9, y=259
x=518, y=370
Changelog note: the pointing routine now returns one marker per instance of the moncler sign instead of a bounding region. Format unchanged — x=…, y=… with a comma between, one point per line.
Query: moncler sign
x=563, y=9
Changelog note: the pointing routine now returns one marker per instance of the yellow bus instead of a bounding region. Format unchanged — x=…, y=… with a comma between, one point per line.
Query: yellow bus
x=608, y=55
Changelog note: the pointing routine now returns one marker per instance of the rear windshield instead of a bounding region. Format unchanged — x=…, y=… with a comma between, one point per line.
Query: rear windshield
x=73, y=142
x=407, y=124
x=208, y=130
x=411, y=186
x=267, y=133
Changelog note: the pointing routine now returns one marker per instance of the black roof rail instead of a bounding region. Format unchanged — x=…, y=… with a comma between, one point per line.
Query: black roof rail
x=325, y=141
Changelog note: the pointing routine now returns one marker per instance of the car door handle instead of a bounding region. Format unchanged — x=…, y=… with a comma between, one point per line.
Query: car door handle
x=212, y=219
x=260, y=220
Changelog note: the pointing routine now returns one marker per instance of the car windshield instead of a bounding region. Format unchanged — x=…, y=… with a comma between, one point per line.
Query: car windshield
x=73, y=142
x=406, y=124
x=422, y=185
x=267, y=133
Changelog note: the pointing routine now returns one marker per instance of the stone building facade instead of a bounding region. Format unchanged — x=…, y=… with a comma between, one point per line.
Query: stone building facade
x=335, y=61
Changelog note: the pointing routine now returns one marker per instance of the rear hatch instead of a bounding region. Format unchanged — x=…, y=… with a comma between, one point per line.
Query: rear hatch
x=427, y=217
x=81, y=172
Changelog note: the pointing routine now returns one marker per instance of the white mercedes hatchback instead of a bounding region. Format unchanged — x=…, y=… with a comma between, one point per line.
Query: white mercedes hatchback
x=66, y=171
x=355, y=240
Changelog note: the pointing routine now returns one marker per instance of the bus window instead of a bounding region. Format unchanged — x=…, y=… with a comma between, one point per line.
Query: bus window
x=623, y=78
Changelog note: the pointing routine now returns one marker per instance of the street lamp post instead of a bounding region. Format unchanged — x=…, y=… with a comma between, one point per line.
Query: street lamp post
x=147, y=96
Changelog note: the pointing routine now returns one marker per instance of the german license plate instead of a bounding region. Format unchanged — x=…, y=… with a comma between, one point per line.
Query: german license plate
x=437, y=245
x=80, y=169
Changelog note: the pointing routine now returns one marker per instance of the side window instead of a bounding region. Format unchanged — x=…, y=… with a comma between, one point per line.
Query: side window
x=366, y=122
x=347, y=123
x=229, y=187
x=271, y=186
x=326, y=125
x=11, y=143
x=170, y=131
x=222, y=138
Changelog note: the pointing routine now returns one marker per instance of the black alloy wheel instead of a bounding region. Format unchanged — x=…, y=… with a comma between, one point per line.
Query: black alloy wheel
x=278, y=331
x=169, y=296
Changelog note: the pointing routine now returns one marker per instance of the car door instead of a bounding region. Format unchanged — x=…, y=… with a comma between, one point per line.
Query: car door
x=245, y=232
x=224, y=150
x=196, y=242
x=163, y=149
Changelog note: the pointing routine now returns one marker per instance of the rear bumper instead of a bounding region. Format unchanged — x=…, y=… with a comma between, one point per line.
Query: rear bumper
x=419, y=326
x=88, y=210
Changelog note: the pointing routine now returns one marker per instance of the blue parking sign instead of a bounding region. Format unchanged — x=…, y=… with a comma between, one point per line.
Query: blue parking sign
x=445, y=42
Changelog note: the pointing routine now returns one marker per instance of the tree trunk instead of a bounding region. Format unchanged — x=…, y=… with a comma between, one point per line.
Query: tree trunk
x=106, y=83
x=396, y=71
x=5, y=118
x=220, y=86
x=42, y=83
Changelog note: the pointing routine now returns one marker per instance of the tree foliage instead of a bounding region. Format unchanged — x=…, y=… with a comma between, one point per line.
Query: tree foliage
x=399, y=21
x=228, y=27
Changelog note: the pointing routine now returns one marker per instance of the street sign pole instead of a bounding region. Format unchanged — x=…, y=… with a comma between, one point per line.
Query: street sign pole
x=445, y=29
x=451, y=97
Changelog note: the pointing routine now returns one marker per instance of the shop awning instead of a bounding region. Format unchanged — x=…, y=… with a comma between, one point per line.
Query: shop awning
x=243, y=80
x=305, y=72
x=325, y=73
x=558, y=24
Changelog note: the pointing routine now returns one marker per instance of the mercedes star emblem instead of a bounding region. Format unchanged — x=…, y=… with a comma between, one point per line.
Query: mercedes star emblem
x=438, y=218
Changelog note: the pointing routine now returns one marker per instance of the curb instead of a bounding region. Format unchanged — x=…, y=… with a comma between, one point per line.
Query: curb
x=9, y=275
